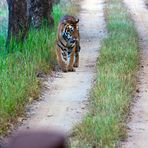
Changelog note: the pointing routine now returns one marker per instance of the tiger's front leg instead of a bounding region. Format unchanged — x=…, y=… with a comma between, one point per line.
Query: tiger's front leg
x=76, y=63
x=77, y=51
x=62, y=59
x=71, y=62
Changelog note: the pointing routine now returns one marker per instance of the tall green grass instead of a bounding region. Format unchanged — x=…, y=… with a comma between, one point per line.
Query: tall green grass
x=18, y=81
x=105, y=124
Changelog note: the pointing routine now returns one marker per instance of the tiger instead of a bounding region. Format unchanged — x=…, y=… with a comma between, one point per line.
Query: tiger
x=68, y=43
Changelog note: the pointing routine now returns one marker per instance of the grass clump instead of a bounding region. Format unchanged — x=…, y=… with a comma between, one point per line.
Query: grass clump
x=18, y=81
x=118, y=63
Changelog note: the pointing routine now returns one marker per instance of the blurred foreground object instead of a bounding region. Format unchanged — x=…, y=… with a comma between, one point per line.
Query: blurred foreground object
x=39, y=140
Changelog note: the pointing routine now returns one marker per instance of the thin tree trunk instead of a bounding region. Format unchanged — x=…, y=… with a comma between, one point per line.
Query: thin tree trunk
x=18, y=20
x=24, y=12
x=41, y=10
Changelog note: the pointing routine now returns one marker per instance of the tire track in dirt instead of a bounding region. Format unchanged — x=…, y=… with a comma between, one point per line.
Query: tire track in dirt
x=138, y=125
x=64, y=101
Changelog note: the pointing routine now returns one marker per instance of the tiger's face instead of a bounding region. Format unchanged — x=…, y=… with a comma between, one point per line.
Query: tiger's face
x=71, y=33
x=73, y=28
x=70, y=28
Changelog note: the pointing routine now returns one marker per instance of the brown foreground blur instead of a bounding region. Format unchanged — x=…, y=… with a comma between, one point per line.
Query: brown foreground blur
x=38, y=139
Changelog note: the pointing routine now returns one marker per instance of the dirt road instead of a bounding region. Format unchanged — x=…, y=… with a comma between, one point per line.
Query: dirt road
x=64, y=102
x=138, y=126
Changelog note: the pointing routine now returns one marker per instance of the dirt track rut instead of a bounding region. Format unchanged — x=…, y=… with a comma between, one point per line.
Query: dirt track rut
x=138, y=126
x=64, y=102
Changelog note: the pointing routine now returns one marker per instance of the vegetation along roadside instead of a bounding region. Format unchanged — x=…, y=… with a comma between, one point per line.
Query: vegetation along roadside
x=118, y=63
x=18, y=81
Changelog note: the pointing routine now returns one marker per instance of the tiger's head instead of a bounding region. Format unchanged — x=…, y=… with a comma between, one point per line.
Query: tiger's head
x=71, y=30
x=68, y=32
x=71, y=25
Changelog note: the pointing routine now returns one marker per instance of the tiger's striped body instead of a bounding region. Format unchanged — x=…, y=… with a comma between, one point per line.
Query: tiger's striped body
x=68, y=43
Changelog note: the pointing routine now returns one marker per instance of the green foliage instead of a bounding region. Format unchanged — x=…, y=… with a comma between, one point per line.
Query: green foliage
x=110, y=98
x=18, y=81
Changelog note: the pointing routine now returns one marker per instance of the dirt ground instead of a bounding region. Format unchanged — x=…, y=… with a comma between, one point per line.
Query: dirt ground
x=63, y=103
x=138, y=125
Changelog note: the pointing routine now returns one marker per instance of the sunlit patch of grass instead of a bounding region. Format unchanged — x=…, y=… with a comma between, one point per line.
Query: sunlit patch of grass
x=18, y=81
x=105, y=124
x=3, y=13
x=3, y=26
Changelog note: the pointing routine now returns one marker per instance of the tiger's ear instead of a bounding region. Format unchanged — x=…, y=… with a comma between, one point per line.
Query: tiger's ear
x=64, y=22
x=77, y=21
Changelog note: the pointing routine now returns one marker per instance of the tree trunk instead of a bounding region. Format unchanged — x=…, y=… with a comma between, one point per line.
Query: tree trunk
x=18, y=20
x=24, y=12
x=41, y=10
